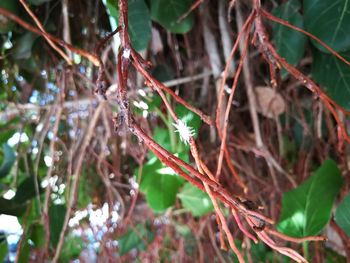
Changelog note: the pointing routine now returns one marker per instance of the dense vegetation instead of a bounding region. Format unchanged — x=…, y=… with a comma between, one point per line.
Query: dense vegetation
x=175, y=131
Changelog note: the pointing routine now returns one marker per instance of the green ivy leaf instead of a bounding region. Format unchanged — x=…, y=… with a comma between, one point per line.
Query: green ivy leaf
x=333, y=75
x=135, y=239
x=139, y=22
x=8, y=160
x=290, y=44
x=56, y=215
x=167, y=13
x=342, y=215
x=307, y=209
x=195, y=200
x=328, y=20
x=162, y=193
x=160, y=185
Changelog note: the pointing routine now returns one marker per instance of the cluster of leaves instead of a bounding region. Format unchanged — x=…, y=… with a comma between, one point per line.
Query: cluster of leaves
x=161, y=184
x=166, y=13
x=306, y=210
x=329, y=21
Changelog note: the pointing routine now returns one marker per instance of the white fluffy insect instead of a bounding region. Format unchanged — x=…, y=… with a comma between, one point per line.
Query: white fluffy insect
x=126, y=53
x=185, y=132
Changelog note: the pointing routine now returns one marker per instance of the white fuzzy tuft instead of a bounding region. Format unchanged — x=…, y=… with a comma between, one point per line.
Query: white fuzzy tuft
x=126, y=53
x=185, y=131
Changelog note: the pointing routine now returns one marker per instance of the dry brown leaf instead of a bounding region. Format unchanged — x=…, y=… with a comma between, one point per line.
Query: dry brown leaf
x=270, y=103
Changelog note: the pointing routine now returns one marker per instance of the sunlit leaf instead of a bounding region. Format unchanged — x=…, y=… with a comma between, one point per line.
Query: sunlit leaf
x=307, y=209
x=160, y=185
x=195, y=200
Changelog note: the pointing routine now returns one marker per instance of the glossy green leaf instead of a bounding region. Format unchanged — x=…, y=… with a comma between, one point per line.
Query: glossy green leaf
x=342, y=215
x=112, y=7
x=195, y=200
x=329, y=20
x=307, y=209
x=56, y=216
x=8, y=160
x=333, y=75
x=162, y=193
x=136, y=238
x=139, y=22
x=290, y=44
x=167, y=13
x=160, y=185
